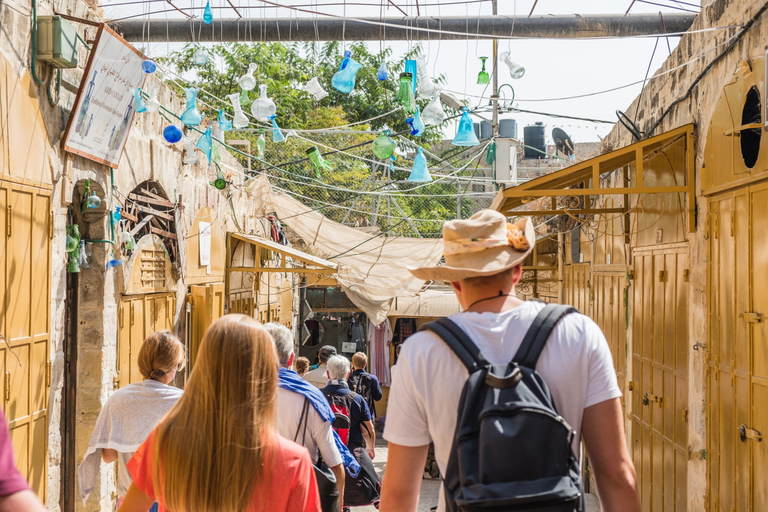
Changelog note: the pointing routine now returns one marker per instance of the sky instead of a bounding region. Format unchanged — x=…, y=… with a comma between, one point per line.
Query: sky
x=554, y=68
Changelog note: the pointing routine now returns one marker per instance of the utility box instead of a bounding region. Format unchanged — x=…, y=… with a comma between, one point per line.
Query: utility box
x=56, y=42
x=506, y=161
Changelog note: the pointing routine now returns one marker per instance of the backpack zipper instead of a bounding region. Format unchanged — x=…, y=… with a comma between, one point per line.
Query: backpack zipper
x=535, y=410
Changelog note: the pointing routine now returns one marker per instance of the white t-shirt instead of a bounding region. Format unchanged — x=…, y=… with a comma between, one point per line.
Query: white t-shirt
x=319, y=435
x=423, y=401
x=317, y=376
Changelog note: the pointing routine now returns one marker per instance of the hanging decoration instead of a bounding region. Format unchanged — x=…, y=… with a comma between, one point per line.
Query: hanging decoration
x=200, y=57
x=222, y=126
x=425, y=85
x=382, y=73
x=208, y=13
x=152, y=104
x=317, y=160
x=190, y=158
x=314, y=88
x=82, y=258
x=128, y=241
x=516, y=71
x=239, y=121
x=191, y=117
x=405, y=93
x=482, y=76
x=114, y=262
x=277, y=134
x=344, y=79
x=140, y=107
x=116, y=215
x=215, y=155
x=433, y=113
x=263, y=107
x=245, y=98
x=261, y=144
x=247, y=82
x=148, y=66
x=417, y=126
x=412, y=67
x=90, y=199
x=465, y=136
x=172, y=134
x=219, y=183
x=73, y=244
x=383, y=146
x=392, y=161
x=205, y=144
x=420, y=172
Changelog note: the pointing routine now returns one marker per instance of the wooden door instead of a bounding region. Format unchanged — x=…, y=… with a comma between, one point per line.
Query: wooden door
x=737, y=376
x=206, y=304
x=25, y=257
x=660, y=377
x=609, y=312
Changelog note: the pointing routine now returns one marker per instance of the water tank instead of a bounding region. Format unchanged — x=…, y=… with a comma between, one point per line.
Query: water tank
x=534, y=140
x=476, y=127
x=485, y=130
x=508, y=128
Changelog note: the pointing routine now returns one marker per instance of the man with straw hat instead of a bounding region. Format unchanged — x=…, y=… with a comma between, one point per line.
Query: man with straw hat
x=483, y=262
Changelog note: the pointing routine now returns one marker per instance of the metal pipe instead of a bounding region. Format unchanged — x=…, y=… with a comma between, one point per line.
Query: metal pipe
x=402, y=29
x=495, y=93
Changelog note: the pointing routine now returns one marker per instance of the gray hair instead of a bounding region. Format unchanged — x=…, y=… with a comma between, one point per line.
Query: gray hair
x=283, y=339
x=338, y=367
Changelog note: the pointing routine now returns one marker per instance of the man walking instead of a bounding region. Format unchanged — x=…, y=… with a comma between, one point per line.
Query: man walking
x=304, y=415
x=317, y=376
x=364, y=383
x=483, y=263
x=351, y=405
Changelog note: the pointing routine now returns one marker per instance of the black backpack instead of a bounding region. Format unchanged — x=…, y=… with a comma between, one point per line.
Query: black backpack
x=362, y=384
x=511, y=449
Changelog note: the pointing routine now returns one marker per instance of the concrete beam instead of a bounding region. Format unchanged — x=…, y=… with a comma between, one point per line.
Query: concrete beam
x=403, y=29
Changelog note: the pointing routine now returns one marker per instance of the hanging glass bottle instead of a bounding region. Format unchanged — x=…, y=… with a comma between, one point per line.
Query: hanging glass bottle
x=140, y=107
x=190, y=158
x=425, y=86
x=172, y=134
x=433, y=113
x=516, y=71
x=223, y=125
x=149, y=66
x=317, y=160
x=245, y=98
x=130, y=242
x=344, y=79
x=277, y=134
x=82, y=258
x=263, y=107
x=412, y=68
x=239, y=121
x=314, y=88
x=482, y=76
x=405, y=93
x=247, y=82
x=73, y=244
x=382, y=73
x=420, y=172
x=417, y=125
x=152, y=104
x=200, y=57
x=465, y=135
x=191, y=116
x=383, y=146
x=205, y=144
x=261, y=144
x=208, y=13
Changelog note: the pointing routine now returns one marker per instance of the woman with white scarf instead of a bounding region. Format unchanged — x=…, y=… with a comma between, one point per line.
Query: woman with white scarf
x=132, y=412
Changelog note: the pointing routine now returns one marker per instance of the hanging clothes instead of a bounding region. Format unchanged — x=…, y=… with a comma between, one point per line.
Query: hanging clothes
x=379, y=339
x=356, y=333
x=404, y=328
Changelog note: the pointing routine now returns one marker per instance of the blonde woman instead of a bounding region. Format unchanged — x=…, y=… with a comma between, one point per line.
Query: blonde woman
x=302, y=366
x=132, y=412
x=218, y=450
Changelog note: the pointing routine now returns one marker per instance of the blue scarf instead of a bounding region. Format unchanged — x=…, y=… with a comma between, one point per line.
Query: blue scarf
x=291, y=381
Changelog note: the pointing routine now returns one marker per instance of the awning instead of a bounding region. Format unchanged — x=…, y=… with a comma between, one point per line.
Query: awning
x=587, y=175
x=429, y=303
x=301, y=262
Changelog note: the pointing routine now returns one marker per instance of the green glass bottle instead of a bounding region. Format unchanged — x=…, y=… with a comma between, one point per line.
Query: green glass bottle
x=261, y=144
x=482, y=76
x=317, y=160
x=383, y=146
x=405, y=93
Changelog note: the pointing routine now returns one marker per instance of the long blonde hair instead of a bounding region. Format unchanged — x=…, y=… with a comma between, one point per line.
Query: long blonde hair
x=212, y=446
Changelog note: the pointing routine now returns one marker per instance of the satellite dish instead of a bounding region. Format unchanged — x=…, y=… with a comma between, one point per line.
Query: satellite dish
x=563, y=141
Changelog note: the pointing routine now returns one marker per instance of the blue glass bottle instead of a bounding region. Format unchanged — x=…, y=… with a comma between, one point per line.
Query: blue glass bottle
x=344, y=79
x=465, y=135
x=420, y=172
x=191, y=116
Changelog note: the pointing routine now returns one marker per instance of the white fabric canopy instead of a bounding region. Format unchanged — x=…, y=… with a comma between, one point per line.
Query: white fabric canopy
x=371, y=268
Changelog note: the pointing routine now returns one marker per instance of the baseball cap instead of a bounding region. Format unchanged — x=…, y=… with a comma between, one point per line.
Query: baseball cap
x=327, y=352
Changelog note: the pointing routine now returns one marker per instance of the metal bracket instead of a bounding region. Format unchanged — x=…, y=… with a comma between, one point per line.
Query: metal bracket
x=650, y=397
x=749, y=433
x=752, y=318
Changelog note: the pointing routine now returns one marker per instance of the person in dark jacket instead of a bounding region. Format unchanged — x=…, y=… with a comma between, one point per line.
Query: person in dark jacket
x=364, y=383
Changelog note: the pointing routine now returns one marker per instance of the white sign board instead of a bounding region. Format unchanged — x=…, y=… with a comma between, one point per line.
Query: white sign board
x=204, y=230
x=104, y=107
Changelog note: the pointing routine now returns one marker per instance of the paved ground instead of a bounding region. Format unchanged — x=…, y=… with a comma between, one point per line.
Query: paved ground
x=429, y=487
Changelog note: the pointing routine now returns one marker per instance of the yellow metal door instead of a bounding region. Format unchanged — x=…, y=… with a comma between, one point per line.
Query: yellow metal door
x=737, y=379
x=576, y=291
x=25, y=247
x=609, y=312
x=206, y=304
x=660, y=377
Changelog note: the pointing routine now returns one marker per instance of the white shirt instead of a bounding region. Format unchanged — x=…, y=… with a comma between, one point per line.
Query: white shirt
x=317, y=376
x=575, y=363
x=319, y=435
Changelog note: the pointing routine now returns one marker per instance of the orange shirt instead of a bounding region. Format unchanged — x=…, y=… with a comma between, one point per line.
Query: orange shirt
x=292, y=486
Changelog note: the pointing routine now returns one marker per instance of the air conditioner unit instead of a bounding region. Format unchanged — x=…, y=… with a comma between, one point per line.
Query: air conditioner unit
x=56, y=42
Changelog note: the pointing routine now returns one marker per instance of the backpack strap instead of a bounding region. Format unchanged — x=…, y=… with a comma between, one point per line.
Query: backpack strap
x=458, y=341
x=538, y=334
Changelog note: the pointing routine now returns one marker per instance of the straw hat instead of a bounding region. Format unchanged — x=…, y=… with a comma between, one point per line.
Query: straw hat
x=482, y=245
